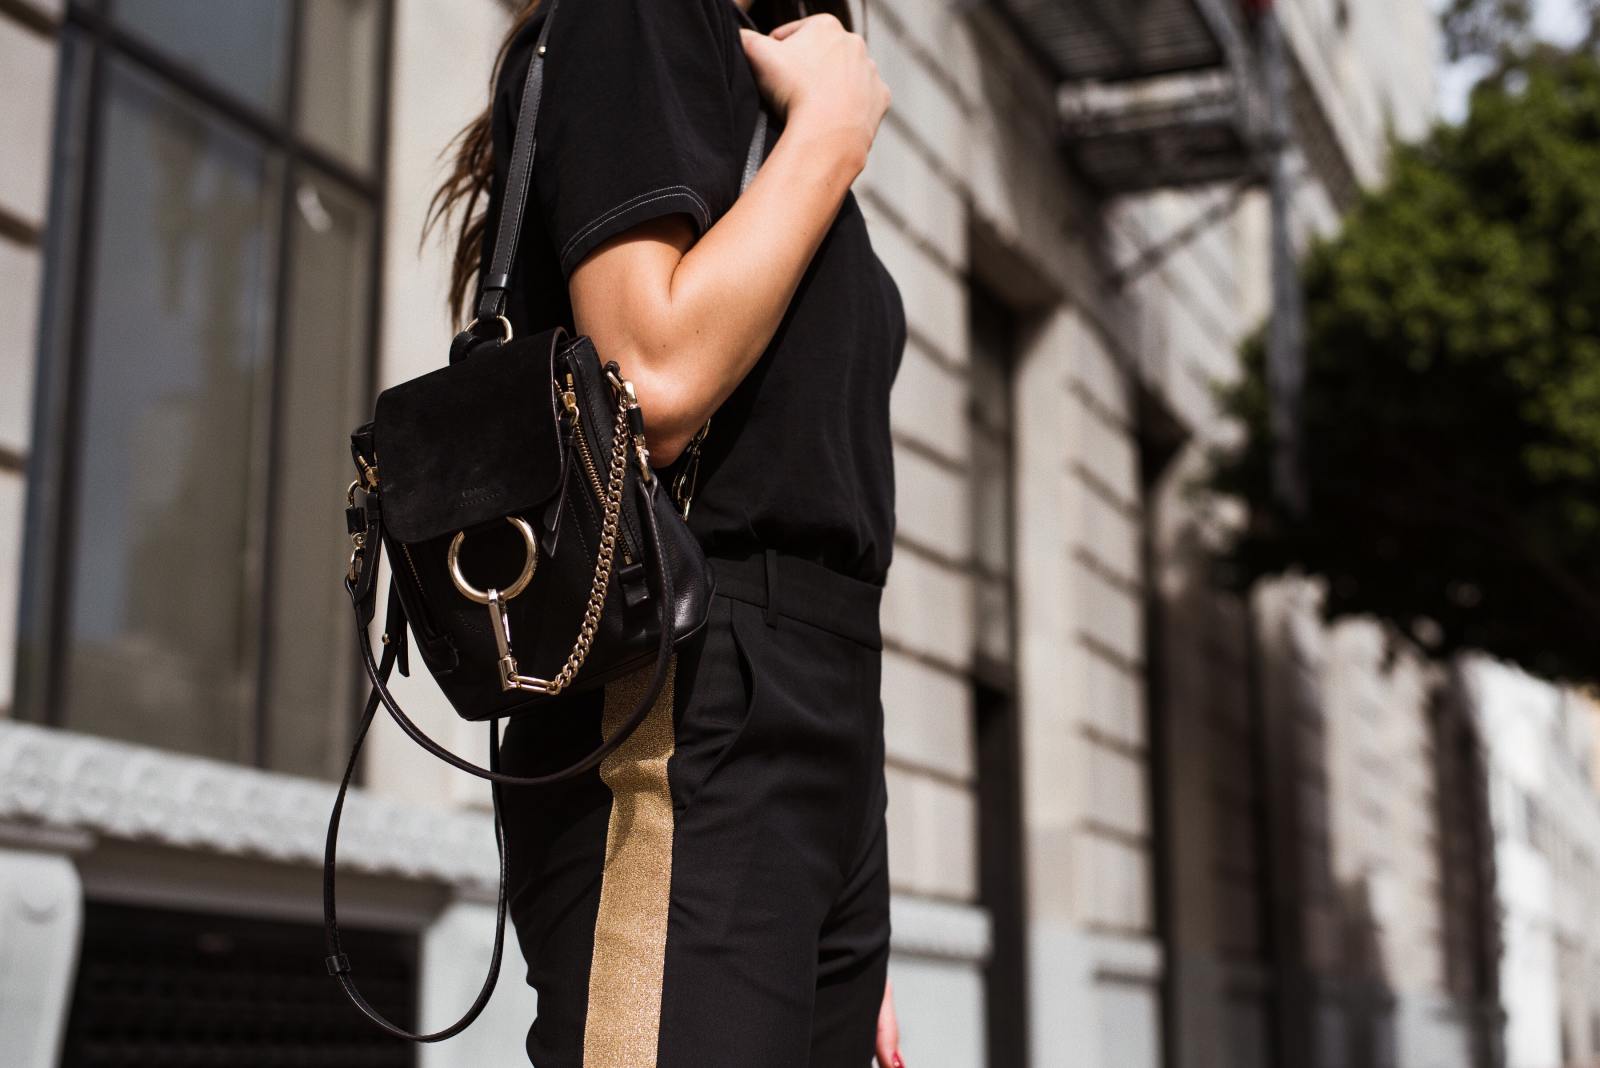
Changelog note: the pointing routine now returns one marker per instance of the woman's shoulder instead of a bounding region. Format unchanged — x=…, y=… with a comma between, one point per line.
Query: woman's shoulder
x=618, y=17
x=611, y=37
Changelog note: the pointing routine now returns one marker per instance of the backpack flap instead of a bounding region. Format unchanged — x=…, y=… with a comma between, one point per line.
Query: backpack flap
x=472, y=442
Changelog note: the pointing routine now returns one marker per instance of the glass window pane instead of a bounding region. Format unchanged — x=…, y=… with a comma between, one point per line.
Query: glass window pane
x=993, y=511
x=240, y=44
x=323, y=384
x=339, y=44
x=992, y=523
x=161, y=624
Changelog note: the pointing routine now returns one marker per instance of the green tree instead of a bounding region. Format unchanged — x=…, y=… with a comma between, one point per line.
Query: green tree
x=1452, y=405
x=1502, y=30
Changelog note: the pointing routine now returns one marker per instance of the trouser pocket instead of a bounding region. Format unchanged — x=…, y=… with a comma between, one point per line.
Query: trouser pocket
x=716, y=694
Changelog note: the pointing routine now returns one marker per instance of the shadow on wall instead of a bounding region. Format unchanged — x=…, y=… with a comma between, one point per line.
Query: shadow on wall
x=1278, y=955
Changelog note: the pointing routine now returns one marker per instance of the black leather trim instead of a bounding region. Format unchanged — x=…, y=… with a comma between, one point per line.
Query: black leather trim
x=519, y=179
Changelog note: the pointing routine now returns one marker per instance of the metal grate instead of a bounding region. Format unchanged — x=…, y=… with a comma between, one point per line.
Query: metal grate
x=1136, y=145
x=1154, y=94
x=160, y=989
x=1113, y=40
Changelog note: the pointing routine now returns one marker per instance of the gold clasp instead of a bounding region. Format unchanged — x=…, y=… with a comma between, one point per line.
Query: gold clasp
x=358, y=538
x=511, y=677
x=369, y=473
x=628, y=400
x=688, y=479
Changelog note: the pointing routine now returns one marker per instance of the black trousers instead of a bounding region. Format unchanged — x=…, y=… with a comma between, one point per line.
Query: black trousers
x=716, y=893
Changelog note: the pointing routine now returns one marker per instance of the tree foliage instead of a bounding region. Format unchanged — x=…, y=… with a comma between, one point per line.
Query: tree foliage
x=1487, y=28
x=1452, y=405
x=1502, y=31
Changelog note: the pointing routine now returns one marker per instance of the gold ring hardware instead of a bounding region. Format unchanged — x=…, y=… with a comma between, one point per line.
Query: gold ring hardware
x=471, y=592
x=511, y=677
x=505, y=327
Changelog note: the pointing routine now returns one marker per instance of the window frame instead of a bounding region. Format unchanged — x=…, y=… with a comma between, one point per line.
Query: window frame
x=50, y=524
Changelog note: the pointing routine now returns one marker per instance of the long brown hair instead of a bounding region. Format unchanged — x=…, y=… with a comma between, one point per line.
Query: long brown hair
x=472, y=150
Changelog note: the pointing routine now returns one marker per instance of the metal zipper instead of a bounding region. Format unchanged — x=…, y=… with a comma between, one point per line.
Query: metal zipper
x=404, y=548
x=429, y=631
x=570, y=399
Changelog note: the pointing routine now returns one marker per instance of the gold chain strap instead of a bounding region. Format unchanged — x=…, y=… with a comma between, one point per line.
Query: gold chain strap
x=602, y=564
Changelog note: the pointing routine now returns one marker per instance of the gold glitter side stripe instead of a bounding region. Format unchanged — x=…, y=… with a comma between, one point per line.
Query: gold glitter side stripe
x=623, y=1021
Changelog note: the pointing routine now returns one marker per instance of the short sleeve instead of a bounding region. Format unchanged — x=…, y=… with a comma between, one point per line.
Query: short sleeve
x=636, y=121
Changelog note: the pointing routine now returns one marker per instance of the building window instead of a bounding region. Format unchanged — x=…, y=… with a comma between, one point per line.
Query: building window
x=993, y=330
x=210, y=326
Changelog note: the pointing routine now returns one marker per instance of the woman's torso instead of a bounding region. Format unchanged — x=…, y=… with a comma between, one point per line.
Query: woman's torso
x=799, y=459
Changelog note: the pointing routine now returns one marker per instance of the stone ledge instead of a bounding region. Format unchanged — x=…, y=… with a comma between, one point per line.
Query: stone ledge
x=63, y=781
x=58, y=788
x=940, y=930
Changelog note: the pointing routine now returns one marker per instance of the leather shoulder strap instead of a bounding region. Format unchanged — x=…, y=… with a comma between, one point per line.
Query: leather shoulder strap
x=519, y=179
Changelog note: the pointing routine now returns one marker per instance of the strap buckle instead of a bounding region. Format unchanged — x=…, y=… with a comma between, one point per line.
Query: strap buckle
x=356, y=524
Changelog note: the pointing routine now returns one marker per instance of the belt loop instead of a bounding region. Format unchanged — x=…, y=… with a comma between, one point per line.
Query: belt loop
x=772, y=588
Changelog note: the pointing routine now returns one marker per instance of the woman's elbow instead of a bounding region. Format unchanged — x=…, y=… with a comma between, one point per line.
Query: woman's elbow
x=665, y=449
x=671, y=417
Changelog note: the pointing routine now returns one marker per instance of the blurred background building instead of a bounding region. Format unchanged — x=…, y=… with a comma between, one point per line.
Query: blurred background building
x=1136, y=821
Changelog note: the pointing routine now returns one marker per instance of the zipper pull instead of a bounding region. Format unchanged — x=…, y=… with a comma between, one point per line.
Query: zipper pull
x=569, y=400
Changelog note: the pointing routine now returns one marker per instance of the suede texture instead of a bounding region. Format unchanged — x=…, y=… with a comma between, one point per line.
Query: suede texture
x=471, y=442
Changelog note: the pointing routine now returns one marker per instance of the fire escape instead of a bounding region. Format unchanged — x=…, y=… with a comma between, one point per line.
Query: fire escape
x=1182, y=94
x=1159, y=95
x=1156, y=94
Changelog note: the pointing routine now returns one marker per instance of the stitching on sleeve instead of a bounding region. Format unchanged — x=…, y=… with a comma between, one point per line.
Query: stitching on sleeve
x=653, y=195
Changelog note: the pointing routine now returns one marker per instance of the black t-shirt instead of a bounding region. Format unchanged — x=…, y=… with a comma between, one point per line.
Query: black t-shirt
x=648, y=110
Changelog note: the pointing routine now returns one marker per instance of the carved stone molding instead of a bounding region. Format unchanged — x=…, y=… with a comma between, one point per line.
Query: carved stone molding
x=60, y=780
x=66, y=785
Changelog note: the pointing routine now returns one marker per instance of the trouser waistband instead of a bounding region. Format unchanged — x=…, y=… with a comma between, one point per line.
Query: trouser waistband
x=801, y=589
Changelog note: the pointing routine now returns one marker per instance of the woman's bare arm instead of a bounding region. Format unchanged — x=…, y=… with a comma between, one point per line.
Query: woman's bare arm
x=687, y=319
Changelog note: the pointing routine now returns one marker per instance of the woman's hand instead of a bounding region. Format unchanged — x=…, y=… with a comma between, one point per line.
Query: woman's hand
x=818, y=76
x=888, y=1031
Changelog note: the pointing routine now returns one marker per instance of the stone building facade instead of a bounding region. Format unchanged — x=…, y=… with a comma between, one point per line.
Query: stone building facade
x=1540, y=741
x=1134, y=821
